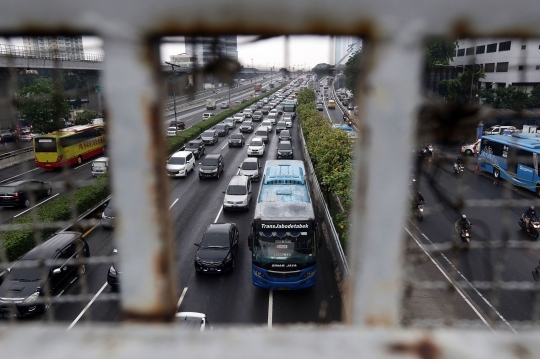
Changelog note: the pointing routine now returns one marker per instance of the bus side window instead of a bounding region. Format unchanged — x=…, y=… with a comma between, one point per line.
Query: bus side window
x=250, y=239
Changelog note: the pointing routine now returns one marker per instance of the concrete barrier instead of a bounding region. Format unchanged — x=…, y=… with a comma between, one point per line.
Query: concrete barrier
x=15, y=157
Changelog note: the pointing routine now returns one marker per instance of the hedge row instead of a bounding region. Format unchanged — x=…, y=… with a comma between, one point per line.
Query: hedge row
x=331, y=153
x=17, y=243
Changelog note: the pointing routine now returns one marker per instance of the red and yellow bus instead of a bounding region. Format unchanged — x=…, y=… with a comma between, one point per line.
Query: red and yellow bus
x=69, y=146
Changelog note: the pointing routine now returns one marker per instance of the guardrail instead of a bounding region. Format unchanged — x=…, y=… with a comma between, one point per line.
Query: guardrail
x=17, y=156
x=341, y=267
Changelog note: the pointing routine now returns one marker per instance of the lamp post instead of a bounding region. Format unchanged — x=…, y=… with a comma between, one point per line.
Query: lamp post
x=472, y=80
x=173, y=92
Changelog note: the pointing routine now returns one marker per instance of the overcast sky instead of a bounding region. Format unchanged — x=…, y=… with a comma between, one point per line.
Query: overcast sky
x=304, y=51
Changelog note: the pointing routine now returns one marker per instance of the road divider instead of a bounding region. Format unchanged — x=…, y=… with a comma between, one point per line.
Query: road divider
x=15, y=157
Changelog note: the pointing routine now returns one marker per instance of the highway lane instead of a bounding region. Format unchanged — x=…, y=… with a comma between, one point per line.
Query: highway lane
x=229, y=298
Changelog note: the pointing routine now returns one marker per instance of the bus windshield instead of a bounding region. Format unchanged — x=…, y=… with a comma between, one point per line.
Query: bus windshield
x=284, y=246
x=45, y=145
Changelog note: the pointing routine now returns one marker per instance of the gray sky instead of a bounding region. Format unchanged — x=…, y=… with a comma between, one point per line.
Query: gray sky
x=304, y=51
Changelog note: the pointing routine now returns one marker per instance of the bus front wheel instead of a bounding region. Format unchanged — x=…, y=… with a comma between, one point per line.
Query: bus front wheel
x=79, y=160
x=496, y=173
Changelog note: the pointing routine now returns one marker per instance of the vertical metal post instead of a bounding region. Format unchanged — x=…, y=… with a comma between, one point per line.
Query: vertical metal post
x=140, y=186
x=378, y=212
x=174, y=94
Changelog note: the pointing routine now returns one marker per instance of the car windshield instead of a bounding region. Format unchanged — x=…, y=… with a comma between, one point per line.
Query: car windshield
x=213, y=240
x=236, y=190
x=261, y=132
x=246, y=123
x=8, y=189
x=208, y=134
x=192, y=145
x=221, y=126
x=210, y=162
x=284, y=133
x=258, y=113
x=256, y=143
x=249, y=166
x=177, y=161
x=236, y=137
x=99, y=164
x=22, y=273
x=172, y=128
x=284, y=146
x=266, y=123
x=281, y=124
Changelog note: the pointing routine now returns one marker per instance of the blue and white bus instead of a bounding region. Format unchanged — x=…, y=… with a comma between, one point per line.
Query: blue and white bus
x=284, y=236
x=513, y=158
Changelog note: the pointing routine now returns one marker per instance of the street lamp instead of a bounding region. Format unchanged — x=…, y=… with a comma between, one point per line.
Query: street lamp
x=173, y=92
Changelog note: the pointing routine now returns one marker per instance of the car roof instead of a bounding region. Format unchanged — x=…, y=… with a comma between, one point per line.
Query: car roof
x=212, y=155
x=181, y=154
x=16, y=183
x=238, y=180
x=218, y=227
x=284, y=142
x=257, y=138
x=101, y=159
x=50, y=247
x=251, y=159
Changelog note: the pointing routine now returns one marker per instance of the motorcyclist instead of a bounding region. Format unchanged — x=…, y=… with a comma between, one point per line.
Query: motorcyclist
x=459, y=162
x=419, y=199
x=528, y=215
x=462, y=223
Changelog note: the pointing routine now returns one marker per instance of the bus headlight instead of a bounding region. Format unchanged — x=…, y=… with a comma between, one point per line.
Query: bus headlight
x=259, y=274
x=309, y=274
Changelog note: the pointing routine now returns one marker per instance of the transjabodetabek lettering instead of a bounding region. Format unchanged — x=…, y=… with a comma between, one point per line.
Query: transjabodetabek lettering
x=285, y=226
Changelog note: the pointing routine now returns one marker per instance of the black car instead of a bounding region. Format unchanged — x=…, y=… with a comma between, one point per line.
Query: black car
x=265, y=110
x=196, y=147
x=246, y=126
x=211, y=166
x=285, y=149
x=217, y=248
x=7, y=136
x=222, y=129
x=257, y=116
x=320, y=107
x=178, y=124
x=21, y=193
x=113, y=275
x=22, y=293
x=284, y=135
x=237, y=140
x=281, y=125
x=210, y=137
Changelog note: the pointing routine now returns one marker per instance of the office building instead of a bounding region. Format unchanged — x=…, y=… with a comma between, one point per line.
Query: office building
x=342, y=45
x=70, y=45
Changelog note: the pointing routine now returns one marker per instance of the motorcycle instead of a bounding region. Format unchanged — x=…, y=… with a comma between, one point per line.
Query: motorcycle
x=425, y=151
x=418, y=211
x=466, y=235
x=458, y=168
x=534, y=226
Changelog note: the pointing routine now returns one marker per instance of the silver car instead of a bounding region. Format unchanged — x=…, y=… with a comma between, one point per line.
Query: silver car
x=238, y=193
x=107, y=217
x=250, y=168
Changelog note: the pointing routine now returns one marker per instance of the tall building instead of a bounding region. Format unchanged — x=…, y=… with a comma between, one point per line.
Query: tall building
x=206, y=48
x=505, y=61
x=184, y=60
x=70, y=45
x=342, y=45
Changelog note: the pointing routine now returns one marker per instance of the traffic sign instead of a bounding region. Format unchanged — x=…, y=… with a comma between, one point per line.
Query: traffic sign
x=97, y=87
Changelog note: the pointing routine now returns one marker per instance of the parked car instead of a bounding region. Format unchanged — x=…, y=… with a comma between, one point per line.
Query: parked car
x=211, y=166
x=217, y=248
x=284, y=135
x=180, y=164
x=256, y=147
x=21, y=193
x=100, y=166
x=107, y=217
x=23, y=292
x=471, y=148
x=196, y=147
x=285, y=149
x=251, y=168
x=246, y=126
x=281, y=125
x=238, y=193
x=210, y=137
x=237, y=140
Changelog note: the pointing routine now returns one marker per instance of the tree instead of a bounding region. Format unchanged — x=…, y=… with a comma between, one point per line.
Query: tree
x=461, y=88
x=351, y=70
x=534, y=99
x=85, y=117
x=322, y=70
x=440, y=52
x=506, y=97
x=43, y=105
x=284, y=72
x=306, y=96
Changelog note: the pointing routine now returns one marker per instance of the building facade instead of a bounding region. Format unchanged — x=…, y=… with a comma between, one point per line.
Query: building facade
x=184, y=60
x=71, y=45
x=342, y=44
x=505, y=61
x=206, y=48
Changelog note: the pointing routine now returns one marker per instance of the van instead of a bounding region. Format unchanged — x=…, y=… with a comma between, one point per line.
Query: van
x=180, y=164
x=332, y=104
x=499, y=130
x=100, y=166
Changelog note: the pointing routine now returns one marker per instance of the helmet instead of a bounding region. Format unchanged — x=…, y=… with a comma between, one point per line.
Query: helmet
x=418, y=193
x=531, y=208
x=463, y=216
x=458, y=157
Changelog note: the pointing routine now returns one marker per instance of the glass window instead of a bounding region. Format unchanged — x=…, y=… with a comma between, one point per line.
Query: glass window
x=215, y=240
x=45, y=145
x=480, y=49
x=237, y=190
x=505, y=46
x=461, y=52
x=177, y=161
x=249, y=166
x=470, y=51
x=491, y=48
x=502, y=67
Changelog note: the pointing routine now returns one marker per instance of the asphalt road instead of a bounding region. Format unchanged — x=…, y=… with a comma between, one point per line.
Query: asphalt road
x=225, y=299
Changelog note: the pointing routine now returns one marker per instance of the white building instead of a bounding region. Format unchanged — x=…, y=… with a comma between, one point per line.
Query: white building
x=342, y=44
x=505, y=62
x=71, y=45
x=184, y=60
x=206, y=48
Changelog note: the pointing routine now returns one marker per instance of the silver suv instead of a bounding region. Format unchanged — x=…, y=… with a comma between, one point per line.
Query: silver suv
x=238, y=193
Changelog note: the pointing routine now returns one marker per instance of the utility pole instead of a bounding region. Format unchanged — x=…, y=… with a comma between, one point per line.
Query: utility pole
x=173, y=92
x=472, y=79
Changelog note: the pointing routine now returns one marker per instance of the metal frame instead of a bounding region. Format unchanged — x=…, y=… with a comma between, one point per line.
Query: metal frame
x=395, y=31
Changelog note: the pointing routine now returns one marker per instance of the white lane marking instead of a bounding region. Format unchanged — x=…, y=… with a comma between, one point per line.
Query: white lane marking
x=7, y=179
x=181, y=298
x=219, y=214
x=87, y=306
x=270, y=307
x=176, y=200
x=83, y=165
x=469, y=283
x=48, y=199
x=449, y=280
x=224, y=146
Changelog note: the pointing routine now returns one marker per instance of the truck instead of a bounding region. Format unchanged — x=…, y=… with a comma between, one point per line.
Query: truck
x=210, y=104
x=257, y=87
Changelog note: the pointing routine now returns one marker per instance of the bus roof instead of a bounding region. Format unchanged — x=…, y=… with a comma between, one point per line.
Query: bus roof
x=284, y=192
x=528, y=141
x=68, y=131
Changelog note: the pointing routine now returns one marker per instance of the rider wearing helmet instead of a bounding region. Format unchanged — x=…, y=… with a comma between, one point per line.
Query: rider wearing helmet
x=462, y=223
x=528, y=215
x=419, y=199
x=459, y=160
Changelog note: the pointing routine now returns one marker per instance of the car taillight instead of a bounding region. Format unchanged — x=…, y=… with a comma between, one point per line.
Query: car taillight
x=16, y=195
x=59, y=159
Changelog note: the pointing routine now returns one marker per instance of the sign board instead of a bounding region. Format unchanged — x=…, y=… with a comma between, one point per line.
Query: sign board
x=97, y=87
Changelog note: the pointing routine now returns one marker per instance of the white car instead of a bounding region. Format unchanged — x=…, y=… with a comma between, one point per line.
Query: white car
x=272, y=117
x=268, y=124
x=288, y=122
x=471, y=148
x=274, y=111
x=172, y=131
x=256, y=147
x=239, y=117
x=26, y=136
x=180, y=163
